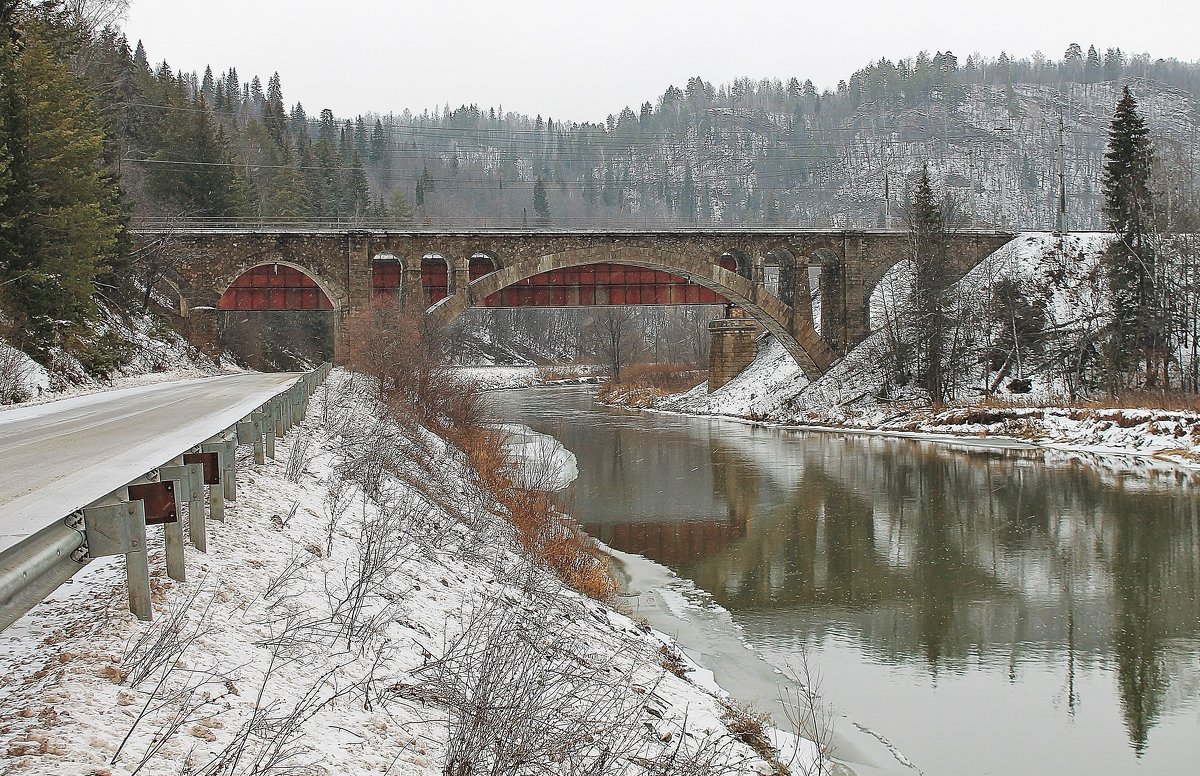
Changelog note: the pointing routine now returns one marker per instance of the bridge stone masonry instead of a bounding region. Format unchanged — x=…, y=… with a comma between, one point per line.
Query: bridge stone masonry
x=764, y=272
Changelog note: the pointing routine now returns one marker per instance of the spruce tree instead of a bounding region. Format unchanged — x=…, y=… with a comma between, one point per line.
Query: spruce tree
x=541, y=205
x=1128, y=208
x=930, y=324
x=274, y=114
x=58, y=209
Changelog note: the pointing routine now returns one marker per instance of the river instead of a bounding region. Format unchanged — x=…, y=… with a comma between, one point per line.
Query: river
x=971, y=610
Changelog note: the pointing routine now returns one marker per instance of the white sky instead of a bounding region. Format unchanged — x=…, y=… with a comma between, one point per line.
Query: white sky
x=583, y=60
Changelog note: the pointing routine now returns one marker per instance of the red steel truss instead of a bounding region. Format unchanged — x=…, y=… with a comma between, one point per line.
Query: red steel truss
x=274, y=287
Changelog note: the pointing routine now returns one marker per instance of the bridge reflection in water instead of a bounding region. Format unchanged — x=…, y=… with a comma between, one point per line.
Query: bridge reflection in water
x=987, y=568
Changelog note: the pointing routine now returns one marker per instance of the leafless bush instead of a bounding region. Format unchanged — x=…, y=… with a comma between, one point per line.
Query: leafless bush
x=297, y=561
x=14, y=372
x=188, y=706
x=270, y=741
x=167, y=638
x=808, y=714
x=299, y=456
x=336, y=502
x=380, y=550
x=158, y=651
x=522, y=702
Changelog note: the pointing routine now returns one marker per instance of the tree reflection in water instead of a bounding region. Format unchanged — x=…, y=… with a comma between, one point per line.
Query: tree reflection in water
x=943, y=556
x=980, y=568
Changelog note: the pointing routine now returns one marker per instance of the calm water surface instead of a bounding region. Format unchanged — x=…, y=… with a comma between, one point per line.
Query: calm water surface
x=986, y=611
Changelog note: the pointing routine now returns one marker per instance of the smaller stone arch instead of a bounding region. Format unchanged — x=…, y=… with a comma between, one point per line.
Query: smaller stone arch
x=277, y=286
x=736, y=260
x=437, y=277
x=481, y=264
x=787, y=268
x=387, y=280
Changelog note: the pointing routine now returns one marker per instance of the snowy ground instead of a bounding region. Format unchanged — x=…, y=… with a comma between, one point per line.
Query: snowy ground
x=155, y=353
x=362, y=610
x=774, y=390
x=495, y=378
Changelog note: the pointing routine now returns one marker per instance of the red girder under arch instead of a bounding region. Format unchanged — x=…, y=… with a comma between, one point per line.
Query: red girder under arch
x=274, y=287
x=605, y=284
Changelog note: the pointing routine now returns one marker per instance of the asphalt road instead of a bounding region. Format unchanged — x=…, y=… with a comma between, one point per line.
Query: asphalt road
x=61, y=456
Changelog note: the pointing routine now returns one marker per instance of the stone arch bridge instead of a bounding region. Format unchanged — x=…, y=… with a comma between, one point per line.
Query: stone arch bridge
x=770, y=274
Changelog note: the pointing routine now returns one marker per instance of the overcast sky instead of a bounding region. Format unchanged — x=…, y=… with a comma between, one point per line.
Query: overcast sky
x=583, y=60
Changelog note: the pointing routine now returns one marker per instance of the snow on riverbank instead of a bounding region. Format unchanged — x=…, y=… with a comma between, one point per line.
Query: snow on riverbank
x=362, y=610
x=851, y=395
x=496, y=378
x=541, y=460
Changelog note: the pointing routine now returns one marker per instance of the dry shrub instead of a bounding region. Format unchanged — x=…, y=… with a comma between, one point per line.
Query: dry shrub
x=534, y=512
x=750, y=727
x=672, y=378
x=406, y=355
x=643, y=384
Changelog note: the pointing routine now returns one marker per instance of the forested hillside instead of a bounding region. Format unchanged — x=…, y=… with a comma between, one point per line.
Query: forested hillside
x=771, y=152
x=97, y=135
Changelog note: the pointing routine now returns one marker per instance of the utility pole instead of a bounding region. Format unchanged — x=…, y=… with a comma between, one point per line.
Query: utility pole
x=887, y=193
x=1062, y=177
x=1003, y=193
x=971, y=184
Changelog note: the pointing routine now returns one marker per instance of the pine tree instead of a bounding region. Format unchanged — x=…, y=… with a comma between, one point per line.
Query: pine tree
x=541, y=205
x=58, y=215
x=930, y=324
x=1128, y=208
x=274, y=114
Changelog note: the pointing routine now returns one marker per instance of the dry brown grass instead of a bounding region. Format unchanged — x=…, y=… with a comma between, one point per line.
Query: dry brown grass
x=671, y=378
x=541, y=526
x=414, y=382
x=642, y=384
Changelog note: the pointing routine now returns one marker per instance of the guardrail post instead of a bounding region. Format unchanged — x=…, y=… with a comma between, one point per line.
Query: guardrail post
x=120, y=529
x=226, y=489
x=268, y=421
x=189, y=479
x=277, y=416
x=297, y=407
x=249, y=432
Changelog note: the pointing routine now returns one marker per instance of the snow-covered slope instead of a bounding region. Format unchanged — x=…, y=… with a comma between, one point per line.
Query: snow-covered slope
x=130, y=349
x=1059, y=274
x=337, y=630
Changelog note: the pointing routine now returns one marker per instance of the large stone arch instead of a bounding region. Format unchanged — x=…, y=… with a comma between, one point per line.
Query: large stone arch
x=795, y=333
x=333, y=292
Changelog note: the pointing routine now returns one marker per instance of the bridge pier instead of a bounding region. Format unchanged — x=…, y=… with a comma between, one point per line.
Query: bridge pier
x=732, y=346
x=204, y=332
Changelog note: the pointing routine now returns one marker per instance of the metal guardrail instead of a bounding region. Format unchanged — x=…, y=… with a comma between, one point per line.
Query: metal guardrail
x=116, y=524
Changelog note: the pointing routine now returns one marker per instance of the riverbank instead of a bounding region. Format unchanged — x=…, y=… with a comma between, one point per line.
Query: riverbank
x=1058, y=276
x=362, y=609
x=1156, y=436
